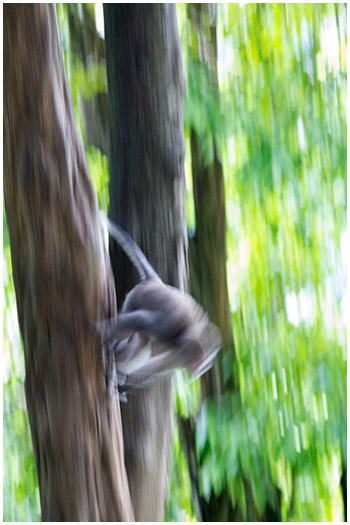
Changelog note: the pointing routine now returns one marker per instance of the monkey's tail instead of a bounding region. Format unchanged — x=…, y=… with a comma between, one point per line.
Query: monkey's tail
x=129, y=246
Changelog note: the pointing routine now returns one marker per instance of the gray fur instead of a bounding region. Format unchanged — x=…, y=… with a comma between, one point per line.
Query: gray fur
x=154, y=311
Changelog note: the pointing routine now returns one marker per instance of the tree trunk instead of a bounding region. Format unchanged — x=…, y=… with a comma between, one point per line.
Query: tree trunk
x=344, y=488
x=145, y=83
x=88, y=50
x=62, y=279
x=208, y=279
x=207, y=253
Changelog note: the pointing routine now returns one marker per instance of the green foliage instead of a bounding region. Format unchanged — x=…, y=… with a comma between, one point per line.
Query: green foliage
x=278, y=123
x=98, y=169
x=204, y=111
x=179, y=491
x=90, y=81
x=21, y=493
x=282, y=108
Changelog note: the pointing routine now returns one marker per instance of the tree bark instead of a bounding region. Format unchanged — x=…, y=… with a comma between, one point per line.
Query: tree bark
x=207, y=254
x=208, y=279
x=145, y=83
x=62, y=279
x=344, y=488
x=88, y=49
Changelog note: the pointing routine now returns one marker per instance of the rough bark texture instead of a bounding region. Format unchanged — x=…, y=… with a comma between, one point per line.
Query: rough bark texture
x=145, y=82
x=62, y=279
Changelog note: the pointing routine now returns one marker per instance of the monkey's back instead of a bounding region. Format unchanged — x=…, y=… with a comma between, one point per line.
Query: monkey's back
x=174, y=311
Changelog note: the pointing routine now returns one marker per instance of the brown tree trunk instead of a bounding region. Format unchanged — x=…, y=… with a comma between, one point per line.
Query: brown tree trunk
x=208, y=279
x=88, y=50
x=344, y=488
x=207, y=255
x=62, y=279
x=145, y=81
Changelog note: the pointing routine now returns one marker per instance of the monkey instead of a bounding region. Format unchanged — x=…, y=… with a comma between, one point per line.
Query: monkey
x=156, y=312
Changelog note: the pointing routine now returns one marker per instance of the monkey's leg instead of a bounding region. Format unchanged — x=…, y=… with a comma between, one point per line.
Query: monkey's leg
x=110, y=370
x=189, y=356
x=145, y=375
x=127, y=323
x=135, y=355
x=122, y=358
x=125, y=349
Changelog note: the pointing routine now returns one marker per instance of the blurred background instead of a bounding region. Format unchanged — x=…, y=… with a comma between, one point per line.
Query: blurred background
x=265, y=101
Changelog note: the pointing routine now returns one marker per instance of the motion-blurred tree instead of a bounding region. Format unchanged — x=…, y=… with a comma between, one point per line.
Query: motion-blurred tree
x=145, y=85
x=278, y=122
x=207, y=248
x=62, y=280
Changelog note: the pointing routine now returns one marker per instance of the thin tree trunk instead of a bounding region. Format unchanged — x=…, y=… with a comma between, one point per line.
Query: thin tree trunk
x=208, y=279
x=207, y=253
x=62, y=279
x=344, y=489
x=88, y=49
x=145, y=81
